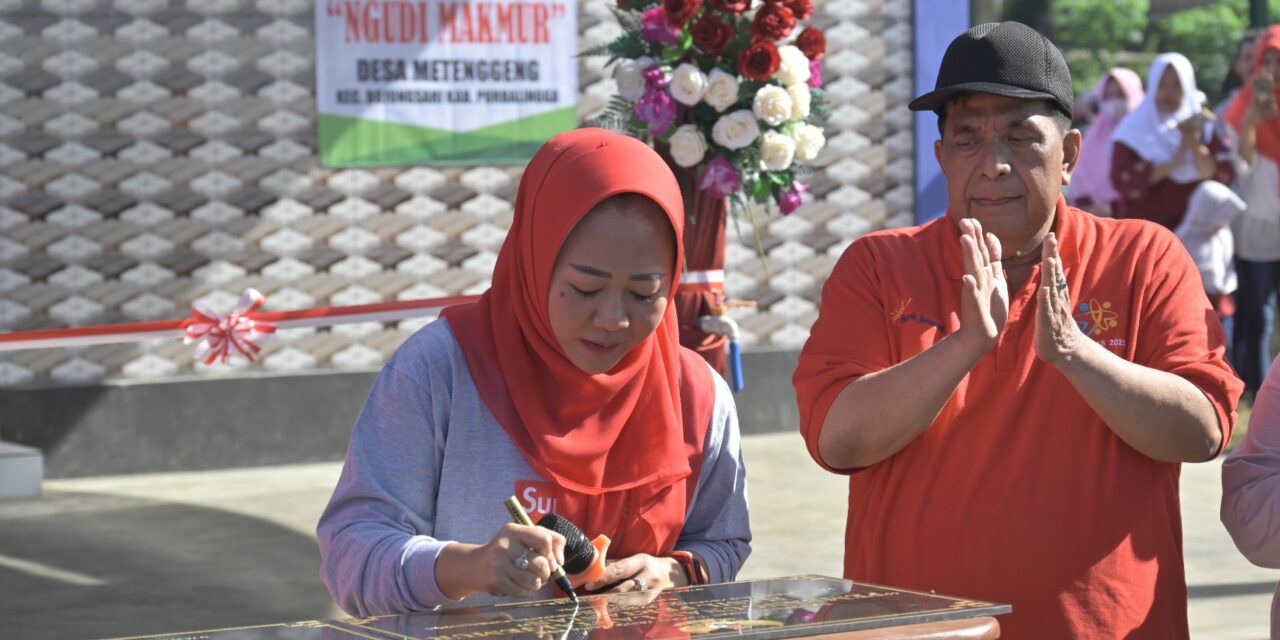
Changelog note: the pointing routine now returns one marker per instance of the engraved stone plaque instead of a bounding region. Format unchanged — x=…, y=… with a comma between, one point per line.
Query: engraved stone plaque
x=762, y=609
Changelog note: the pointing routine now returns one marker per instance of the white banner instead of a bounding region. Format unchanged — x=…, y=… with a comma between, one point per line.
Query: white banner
x=397, y=81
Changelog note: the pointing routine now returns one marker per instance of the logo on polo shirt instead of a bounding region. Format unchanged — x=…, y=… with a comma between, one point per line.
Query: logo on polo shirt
x=902, y=316
x=537, y=498
x=1095, y=318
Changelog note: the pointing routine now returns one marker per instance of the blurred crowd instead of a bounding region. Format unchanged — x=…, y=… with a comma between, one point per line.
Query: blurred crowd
x=1160, y=150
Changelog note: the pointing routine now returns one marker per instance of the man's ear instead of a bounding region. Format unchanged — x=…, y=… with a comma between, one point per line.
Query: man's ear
x=937, y=151
x=1071, y=142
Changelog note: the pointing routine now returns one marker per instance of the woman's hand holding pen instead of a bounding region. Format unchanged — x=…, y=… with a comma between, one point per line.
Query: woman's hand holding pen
x=515, y=563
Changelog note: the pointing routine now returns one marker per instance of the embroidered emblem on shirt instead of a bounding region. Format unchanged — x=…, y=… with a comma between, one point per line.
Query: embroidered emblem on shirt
x=902, y=316
x=1095, y=318
x=901, y=309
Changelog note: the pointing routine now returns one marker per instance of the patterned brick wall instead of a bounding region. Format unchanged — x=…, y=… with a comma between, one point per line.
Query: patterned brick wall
x=154, y=153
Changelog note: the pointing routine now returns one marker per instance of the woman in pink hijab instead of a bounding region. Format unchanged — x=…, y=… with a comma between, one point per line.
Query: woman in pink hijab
x=1120, y=91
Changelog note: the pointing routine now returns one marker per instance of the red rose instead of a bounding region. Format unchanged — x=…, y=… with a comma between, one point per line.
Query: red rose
x=735, y=7
x=773, y=21
x=813, y=43
x=711, y=34
x=760, y=60
x=801, y=9
x=679, y=11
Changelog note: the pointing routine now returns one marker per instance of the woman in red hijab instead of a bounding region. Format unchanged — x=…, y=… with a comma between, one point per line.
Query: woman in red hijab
x=565, y=386
x=1253, y=121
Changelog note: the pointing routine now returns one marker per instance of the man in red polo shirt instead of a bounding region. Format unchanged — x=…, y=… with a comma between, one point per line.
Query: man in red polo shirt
x=1012, y=388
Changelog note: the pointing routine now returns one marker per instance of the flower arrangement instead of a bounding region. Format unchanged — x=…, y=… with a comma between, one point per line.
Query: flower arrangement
x=733, y=87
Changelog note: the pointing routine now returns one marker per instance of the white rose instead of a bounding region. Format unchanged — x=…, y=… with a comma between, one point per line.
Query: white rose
x=776, y=151
x=630, y=77
x=688, y=145
x=772, y=105
x=736, y=130
x=722, y=90
x=688, y=84
x=809, y=141
x=800, y=101
x=794, y=67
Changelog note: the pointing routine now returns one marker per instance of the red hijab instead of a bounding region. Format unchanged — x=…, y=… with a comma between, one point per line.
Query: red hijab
x=624, y=446
x=1267, y=134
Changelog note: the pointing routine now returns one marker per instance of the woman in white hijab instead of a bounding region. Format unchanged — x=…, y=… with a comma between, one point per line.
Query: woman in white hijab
x=1171, y=167
x=1165, y=148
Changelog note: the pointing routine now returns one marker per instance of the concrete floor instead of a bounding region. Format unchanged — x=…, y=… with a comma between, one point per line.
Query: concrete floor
x=131, y=555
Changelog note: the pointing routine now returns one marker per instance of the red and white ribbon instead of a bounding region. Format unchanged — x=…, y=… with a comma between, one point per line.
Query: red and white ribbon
x=707, y=276
x=219, y=336
x=239, y=332
x=705, y=280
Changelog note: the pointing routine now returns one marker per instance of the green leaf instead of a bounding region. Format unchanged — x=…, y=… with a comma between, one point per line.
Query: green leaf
x=1091, y=31
x=741, y=38
x=705, y=114
x=1208, y=36
x=628, y=46
x=761, y=190
x=601, y=49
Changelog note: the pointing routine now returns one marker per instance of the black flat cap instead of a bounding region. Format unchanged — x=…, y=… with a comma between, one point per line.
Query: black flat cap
x=1003, y=58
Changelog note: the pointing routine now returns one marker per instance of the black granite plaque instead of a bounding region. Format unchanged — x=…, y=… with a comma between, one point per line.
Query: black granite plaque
x=762, y=609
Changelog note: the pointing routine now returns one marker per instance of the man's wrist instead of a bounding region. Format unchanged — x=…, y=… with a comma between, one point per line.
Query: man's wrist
x=970, y=347
x=1081, y=357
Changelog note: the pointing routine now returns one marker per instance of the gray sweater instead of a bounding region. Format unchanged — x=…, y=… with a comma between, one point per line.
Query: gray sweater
x=428, y=464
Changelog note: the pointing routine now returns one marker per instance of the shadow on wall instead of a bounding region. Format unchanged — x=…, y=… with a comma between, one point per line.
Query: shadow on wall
x=82, y=565
x=188, y=425
x=43, y=418
x=258, y=420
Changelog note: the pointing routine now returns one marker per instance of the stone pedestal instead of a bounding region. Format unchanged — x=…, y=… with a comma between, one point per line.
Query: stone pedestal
x=21, y=471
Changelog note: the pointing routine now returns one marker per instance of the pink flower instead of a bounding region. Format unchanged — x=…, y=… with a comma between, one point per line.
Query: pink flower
x=720, y=178
x=655, y=79
x=654, y=27
x=815, y=74
x=790, y=199
x=656, y=109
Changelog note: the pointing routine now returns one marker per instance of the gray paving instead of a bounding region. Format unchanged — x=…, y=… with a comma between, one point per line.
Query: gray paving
x=129, y=555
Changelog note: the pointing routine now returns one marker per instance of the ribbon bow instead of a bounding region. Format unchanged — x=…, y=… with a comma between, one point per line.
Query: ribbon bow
x=218, y=335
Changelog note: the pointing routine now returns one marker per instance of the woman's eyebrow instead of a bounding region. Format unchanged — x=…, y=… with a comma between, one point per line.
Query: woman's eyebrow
x=600, y=273
x=592, y=271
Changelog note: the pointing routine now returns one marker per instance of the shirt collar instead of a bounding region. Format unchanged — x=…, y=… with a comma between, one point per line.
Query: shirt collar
x=1065, y=225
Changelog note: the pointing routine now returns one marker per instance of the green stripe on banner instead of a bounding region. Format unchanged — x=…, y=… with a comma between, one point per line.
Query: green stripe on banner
x=357, y=142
